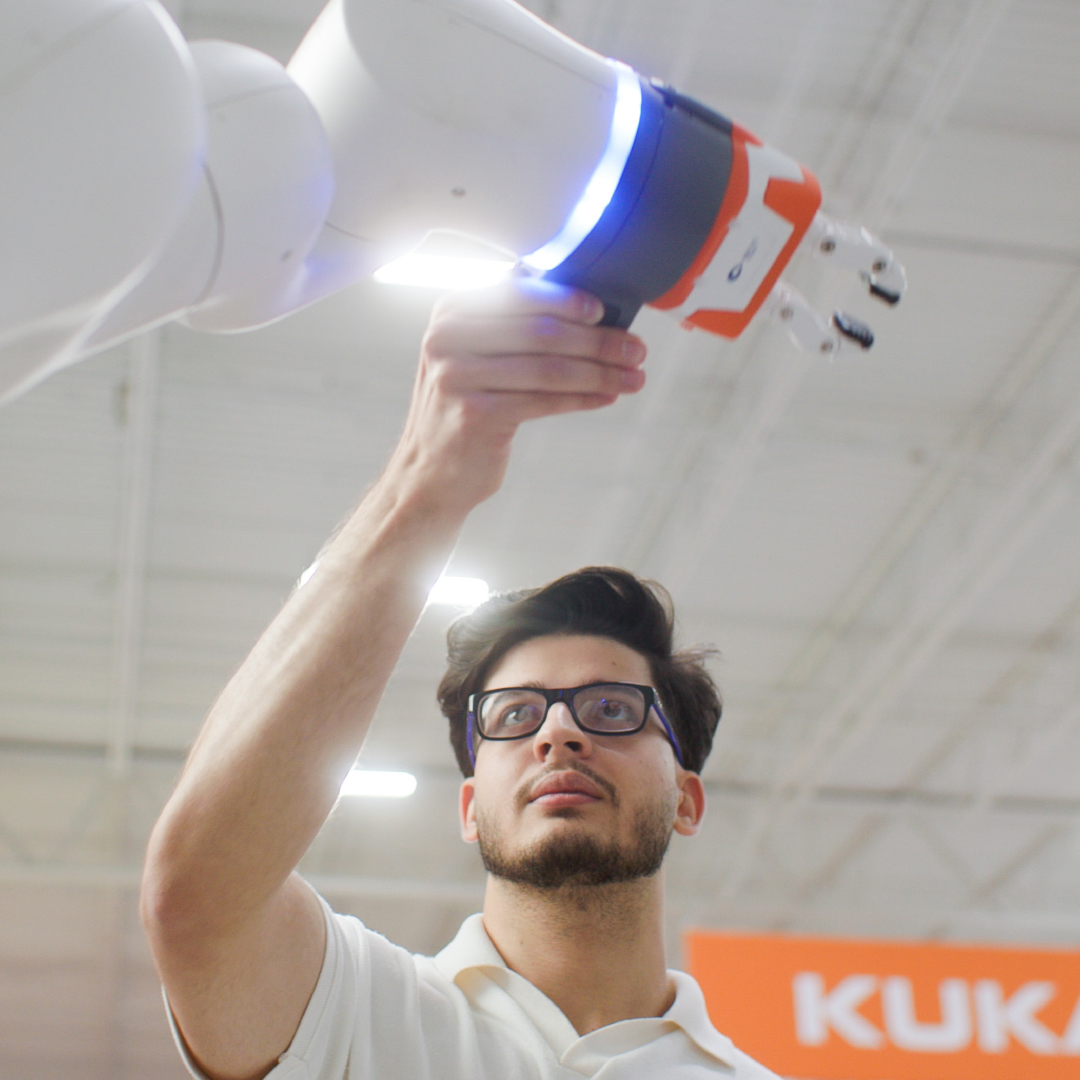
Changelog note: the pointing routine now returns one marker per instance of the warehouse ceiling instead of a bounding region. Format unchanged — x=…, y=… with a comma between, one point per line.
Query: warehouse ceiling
x=883, y=547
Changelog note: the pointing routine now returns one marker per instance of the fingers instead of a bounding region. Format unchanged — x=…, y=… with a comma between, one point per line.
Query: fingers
x=533, y=333
x=533, y=406
x=524, y=296
x=540, y=374
x=527, y=348
x=518, y=324
x=493, y=358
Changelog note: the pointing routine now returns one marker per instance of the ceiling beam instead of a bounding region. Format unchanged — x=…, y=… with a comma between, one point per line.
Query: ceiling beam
x=942, y=91
x=1029, y=506
x=731, y=466
x=910, y=649
x=1029, y=503
x=978, y=247
x=141, y=414
x=982, y=893
x=1066, y=724
x=1034, y=355
x=989, y=796
x=74, y=875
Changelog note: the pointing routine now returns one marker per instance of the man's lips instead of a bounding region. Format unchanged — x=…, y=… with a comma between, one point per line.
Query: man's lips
x=566, y=789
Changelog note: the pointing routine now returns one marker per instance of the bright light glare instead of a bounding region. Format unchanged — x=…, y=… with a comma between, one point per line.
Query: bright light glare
x=443, y=272
x=605, y=178
x=465, y=592
x=308, y=574
x=379, y=785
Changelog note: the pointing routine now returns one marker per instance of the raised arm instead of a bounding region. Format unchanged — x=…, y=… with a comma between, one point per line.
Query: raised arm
x=237, y=936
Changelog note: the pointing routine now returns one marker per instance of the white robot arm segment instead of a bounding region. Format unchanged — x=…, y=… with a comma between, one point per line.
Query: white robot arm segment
x=465, y=115
x=474, y=116
x=103, y=129
x=156, y=181
x=239, y=257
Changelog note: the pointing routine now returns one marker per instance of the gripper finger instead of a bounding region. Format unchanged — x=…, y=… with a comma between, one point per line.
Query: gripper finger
x=806, y=327
x=854, y=247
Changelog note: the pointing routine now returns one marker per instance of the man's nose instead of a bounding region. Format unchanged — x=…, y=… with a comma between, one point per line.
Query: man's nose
x=559, y=732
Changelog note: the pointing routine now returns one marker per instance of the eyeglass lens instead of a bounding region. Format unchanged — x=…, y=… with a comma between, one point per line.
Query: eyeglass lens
x=508, y=714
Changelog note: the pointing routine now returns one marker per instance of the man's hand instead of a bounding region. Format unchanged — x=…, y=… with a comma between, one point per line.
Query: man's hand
x=237, y=937
x=493, y=358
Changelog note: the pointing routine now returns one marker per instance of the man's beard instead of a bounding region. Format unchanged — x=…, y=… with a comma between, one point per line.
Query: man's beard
x=577, y=858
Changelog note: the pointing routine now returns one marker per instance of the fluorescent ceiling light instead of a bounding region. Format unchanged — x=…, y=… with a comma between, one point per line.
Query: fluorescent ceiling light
x=605, y=178
x=464, y=592
x=443, y=271
x=379, y=785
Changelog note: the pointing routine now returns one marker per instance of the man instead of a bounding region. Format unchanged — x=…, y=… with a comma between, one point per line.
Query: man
x=573, y=795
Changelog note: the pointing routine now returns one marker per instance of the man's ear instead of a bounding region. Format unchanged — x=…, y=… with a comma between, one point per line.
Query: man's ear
x=691, y=806
x=467, y=810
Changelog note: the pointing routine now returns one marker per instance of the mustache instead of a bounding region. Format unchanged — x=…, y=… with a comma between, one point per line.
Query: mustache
x=521, y=796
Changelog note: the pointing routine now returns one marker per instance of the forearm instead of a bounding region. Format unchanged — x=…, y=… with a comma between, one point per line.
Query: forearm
x=266, y=768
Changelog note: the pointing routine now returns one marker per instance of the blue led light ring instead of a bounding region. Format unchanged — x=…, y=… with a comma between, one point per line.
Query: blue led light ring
x=662, y=212
x=605, y=178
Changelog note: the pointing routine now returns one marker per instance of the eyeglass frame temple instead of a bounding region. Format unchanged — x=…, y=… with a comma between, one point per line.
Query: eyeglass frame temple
x=472, y=727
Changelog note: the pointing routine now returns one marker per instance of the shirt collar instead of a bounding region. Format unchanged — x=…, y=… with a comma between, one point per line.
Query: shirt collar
x=472, y=948
x=689, y=1012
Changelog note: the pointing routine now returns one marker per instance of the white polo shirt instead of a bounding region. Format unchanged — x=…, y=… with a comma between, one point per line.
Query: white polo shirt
x=379, y=1012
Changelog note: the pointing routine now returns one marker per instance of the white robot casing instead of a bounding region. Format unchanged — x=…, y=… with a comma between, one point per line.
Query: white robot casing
x=102, y=126
x=157, y=180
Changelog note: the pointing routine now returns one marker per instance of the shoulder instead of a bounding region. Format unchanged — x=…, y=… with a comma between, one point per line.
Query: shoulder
x=357, y=954
x=376, y=1004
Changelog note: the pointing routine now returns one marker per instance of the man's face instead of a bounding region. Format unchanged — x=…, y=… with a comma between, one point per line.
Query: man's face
x=563, y=806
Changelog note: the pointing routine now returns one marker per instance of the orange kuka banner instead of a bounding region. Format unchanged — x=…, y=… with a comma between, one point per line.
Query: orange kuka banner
x=821, y=1009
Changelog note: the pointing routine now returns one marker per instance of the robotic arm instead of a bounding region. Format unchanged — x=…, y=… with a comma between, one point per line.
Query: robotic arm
x=157, y=180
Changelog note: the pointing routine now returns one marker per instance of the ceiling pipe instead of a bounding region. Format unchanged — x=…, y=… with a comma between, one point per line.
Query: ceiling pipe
x=141, y=412
x=913, y=644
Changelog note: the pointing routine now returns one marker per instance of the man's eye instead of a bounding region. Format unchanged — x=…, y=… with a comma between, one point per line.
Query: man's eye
x=517, y=716
x=613, y=710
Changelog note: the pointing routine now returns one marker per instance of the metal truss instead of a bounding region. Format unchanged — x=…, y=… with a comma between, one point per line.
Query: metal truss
x=141, y=415
x=1028, y=505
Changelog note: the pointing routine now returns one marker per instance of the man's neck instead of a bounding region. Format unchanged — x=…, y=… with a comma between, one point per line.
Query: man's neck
x=596, y=951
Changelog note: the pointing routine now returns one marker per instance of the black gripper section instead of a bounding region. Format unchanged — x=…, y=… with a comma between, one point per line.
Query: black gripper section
x=887, y=295
x=853, y=329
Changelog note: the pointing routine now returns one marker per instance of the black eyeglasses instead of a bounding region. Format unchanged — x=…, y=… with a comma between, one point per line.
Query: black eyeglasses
x=516, y=712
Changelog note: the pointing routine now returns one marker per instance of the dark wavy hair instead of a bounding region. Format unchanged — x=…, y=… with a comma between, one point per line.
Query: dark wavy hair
x=601, y=601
